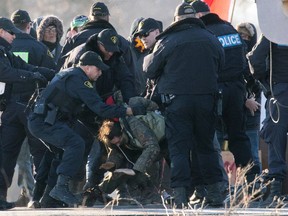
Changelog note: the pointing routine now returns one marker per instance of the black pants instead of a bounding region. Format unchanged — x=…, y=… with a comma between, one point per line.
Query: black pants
x=190, y=126
x=13, y=132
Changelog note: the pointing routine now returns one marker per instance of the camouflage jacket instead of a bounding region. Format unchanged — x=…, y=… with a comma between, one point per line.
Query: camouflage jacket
x=141, y=149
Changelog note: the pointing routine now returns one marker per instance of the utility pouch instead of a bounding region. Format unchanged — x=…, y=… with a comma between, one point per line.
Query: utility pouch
x=51, y=114
x=219, y=102
x=40, y=107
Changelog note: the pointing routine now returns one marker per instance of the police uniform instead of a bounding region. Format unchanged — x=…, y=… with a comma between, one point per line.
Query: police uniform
x=189, y=90
x=274, y=133
x=12, y=70
x=231, y=84
x=53, y=117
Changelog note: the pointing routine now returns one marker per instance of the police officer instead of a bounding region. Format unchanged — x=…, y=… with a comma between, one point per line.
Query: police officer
x=12, y=70
x=35, y=53
x=147, y=31
x=231, y=84
x=99, y=20
x=53, y=117
x=274, y=130
x=188, y=89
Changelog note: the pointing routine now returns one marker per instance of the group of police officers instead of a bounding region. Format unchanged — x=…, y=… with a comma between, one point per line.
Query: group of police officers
x=195, y=72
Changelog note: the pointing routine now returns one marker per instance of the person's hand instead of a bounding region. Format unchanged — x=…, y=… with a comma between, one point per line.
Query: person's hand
x=39, y=77
x=252, y=105
x=107, y=165
x=139, y=110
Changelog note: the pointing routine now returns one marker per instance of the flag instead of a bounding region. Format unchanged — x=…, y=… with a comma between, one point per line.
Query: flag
x=220, y=7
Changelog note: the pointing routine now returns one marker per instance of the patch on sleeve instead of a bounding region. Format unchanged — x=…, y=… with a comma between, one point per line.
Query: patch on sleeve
x=88, y=84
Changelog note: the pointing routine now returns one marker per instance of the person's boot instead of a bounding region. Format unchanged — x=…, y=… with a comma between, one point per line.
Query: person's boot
x=6, y=205
x=272, y=199
x=180, y=197
x=37, y=195
x=61, y=191
x=48, y=202
x=216, y=194
x=198, y=195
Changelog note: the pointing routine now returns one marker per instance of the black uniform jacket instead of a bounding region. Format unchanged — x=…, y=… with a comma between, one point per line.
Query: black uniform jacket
x=187, y=58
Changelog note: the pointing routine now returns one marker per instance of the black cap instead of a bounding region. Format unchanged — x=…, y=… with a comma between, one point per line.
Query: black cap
x=109, y=39
x=200, y=6
x=99, y=9
x=92, y=58
x=7, y=25
x=184, y=9
x=147, y=25
x=20, y=16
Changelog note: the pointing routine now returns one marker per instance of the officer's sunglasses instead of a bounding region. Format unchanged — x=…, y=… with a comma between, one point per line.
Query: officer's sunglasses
x=146, y=34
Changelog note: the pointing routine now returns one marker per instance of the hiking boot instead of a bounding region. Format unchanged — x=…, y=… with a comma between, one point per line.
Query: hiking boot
x=61, y=191
x=216, y=194
x=6, y=205
x=180, y=197
x=274, y=197
x=48, y=202
x=198, y=196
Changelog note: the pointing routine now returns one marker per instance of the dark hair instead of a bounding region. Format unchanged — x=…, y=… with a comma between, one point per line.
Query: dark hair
x=109, y=130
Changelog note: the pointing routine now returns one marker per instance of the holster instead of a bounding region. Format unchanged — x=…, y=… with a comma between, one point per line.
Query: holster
x=51, y=114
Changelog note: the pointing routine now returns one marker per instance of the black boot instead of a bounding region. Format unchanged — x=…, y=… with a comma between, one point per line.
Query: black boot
x=61, y=191
x=180, y=197
x=37, y=195
x=48, y=202
x=6, y=205
x=272, y=199
x=216, y=194
x=198, y=195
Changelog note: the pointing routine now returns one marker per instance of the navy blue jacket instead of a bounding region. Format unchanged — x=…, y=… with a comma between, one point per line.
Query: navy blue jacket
x=234, y=47
x=259, y=59
x=37, y=54
x=117, y=75
x=75, y=84
x=187, y=58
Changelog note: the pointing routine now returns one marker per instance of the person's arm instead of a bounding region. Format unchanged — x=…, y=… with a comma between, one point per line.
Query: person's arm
x=258, y=57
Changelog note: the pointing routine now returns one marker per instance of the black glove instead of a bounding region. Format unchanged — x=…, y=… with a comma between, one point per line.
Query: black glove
x=139, y=110
x=39, y=77
x=253, y=86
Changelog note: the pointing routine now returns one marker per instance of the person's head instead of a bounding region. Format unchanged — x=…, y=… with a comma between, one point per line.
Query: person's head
x=50, y=29
x=148, y=29
x=22, y=20
x=110, y=133
x=7, y=30
x=92, y=64
x=78, y=22
x=108, y=43
x=99, y=11
x=248, y=33
x=183, y=11
x=200, y=7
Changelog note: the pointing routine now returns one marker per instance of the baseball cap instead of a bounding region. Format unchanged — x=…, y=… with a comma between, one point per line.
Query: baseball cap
x=147, y=25
x=20, y=16
x=92, y=58
x=200, y=6
x=99, y=9
x=184, y=9
x=109, y=39
x=79, y=21
x=8, y=26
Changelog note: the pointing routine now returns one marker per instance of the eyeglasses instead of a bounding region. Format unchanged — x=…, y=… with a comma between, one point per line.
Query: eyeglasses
x=146, y=34
x=52, y=30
